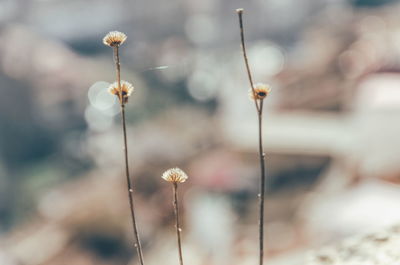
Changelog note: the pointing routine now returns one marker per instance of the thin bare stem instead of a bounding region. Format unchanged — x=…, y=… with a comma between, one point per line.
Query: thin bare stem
x=259, y=106
x=137, y=245
x=128, y=179
x=118, y=71
x=246, y=61
x=178, y=228
x=262, y=184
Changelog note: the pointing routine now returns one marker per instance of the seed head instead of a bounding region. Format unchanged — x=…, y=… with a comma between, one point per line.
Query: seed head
x=175, y=175
x=239, y=10
x=261, y=91
x=114, y=38
x=126, y=90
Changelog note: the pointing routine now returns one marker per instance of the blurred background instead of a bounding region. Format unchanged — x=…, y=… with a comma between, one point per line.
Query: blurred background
x=331, y=128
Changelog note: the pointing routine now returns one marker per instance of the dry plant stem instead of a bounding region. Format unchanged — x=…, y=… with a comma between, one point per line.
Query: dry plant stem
x=259, y=108
x=262, y=183
x=128, y=180
x=138, y=246
x=178, y=229
x=246, y=61
x=118, y=71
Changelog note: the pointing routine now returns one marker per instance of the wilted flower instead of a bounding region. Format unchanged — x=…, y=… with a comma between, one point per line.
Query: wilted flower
x=114, y=38
x=126, y=90
x=175, y=175
x=261, y=91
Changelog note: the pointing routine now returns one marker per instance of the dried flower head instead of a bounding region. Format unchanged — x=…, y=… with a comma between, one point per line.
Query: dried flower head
x=239, y=10
x=175, y=175
x=261, y=91
x=114, y=38
x=126, y=90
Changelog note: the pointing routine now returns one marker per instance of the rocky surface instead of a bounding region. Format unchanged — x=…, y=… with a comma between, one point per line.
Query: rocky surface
x=380, y=248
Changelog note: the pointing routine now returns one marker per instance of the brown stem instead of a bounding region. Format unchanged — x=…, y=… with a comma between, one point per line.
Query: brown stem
x=259, y=108
x=178, y=229
x=246, y=61
x=118, y=71
x=262, y=184
x=128, y=180
x=130, y=190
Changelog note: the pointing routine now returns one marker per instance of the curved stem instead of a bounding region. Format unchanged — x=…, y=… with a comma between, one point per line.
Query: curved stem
x=178, y=229
x=246, y=61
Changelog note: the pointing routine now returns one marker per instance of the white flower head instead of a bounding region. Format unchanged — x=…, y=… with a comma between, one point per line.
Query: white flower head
x=114, y=38
x=175, y=175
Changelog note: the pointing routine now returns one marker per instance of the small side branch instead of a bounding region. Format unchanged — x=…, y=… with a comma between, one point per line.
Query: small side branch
x=246, y=61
